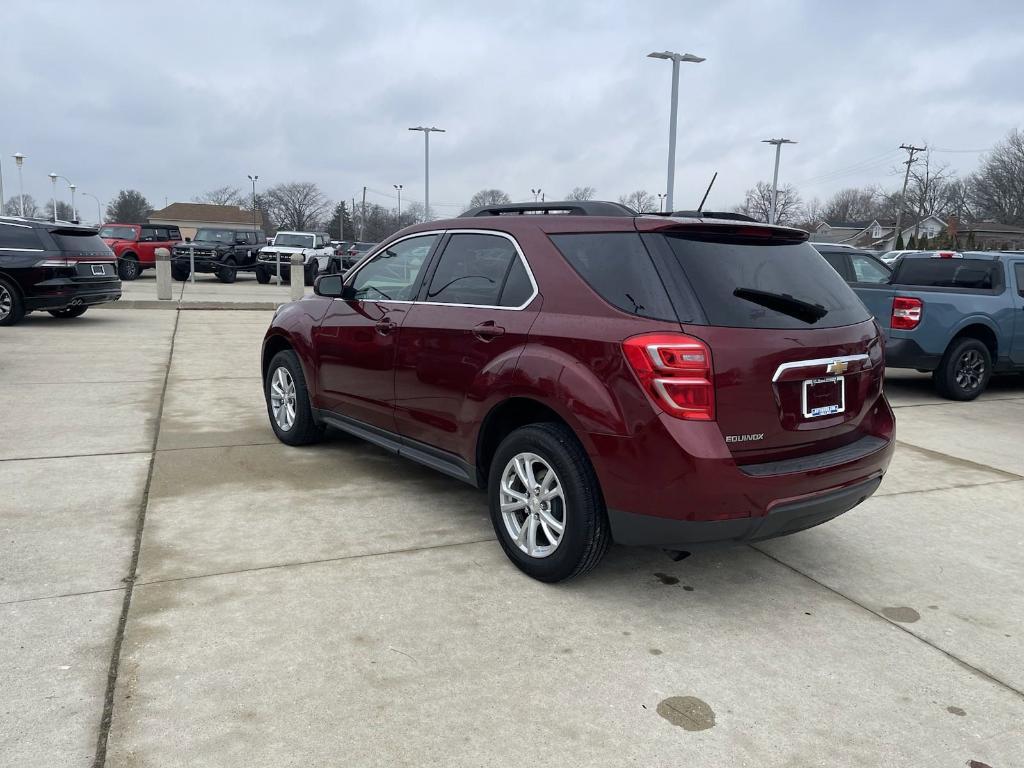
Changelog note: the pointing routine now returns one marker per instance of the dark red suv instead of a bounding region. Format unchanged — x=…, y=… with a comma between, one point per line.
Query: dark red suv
x=677, y=381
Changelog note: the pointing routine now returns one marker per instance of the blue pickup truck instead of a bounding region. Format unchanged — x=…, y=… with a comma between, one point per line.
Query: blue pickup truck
x=959, y=315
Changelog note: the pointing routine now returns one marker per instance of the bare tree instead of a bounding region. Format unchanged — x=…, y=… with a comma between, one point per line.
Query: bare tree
x=997, y=188
x=13, y=207
x=64, y=211
x=297, y=205
x=758, y=204
x=226, y=195
x=129, y=207
x=640, y=201
x=581, y=193
x=855, y=204
x=489, y=197
x=929, y=190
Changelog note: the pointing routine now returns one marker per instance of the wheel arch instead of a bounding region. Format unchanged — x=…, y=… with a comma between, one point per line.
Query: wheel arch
x=982, y=331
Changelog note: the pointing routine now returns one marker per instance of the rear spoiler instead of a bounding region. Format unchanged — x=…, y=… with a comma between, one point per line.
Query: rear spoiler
x=724, y=231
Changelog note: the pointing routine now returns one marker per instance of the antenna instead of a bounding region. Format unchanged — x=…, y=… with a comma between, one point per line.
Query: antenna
x=706, y=193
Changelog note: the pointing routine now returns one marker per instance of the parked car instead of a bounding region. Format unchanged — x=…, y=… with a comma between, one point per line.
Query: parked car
x=135, y=245
x=314, y=247
x=220, y=251
x=348, y=255
x=57, y=267
x=958, y=315
x=855, y=265
x=667, y=381
x=891, y=257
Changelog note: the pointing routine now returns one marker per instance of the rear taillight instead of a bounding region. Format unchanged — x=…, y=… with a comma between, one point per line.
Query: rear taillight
x=57, y=263
x=676, y=371
x=906, y=313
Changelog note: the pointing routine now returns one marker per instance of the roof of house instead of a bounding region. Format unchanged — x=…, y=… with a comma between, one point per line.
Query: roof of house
x=206, y=213
x=990, y=226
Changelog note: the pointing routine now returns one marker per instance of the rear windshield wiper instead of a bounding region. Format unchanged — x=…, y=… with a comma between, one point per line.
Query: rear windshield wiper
x=784, y=303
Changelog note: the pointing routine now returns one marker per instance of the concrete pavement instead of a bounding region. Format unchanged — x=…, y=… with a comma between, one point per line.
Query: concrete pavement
x=334, y=605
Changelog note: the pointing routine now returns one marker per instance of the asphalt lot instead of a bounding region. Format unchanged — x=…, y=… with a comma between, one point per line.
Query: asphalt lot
x=335, y=606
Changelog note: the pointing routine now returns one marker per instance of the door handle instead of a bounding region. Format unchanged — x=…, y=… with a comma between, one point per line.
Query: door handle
x=385, y=326
x=488, y=331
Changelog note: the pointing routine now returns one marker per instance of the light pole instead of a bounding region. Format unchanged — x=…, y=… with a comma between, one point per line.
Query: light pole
x=775, y=178
x=398, y=189
x=254, y=179
x=18, y=160
x=536, y=193
x=74, y=210
x=426, y=166
x=675, y=58
x=661, y=202
x=99, y=214
x=53, y=179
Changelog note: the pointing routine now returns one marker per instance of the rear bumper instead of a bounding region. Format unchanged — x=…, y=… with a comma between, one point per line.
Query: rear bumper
x=781, y=520
x=907, y=353
x=74, y=297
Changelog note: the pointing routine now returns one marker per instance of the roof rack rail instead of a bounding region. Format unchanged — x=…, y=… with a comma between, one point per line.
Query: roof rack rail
x=564, y=207
x=729, y=215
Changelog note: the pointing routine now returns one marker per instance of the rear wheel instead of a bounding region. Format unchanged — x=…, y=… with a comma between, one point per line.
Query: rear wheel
x=12, y=308
x=128, y=267
x=545, y=503
x=68, y=312
x=227, y=272
x=288, y=403
x=965, y=370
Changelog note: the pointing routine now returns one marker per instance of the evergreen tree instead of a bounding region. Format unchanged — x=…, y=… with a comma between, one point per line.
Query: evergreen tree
x=899, y=243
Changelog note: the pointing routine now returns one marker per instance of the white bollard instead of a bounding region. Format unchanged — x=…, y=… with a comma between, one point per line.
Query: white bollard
x=297, y=277
x=163, y=274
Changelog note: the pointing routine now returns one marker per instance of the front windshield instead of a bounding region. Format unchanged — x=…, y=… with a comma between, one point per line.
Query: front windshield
x=289, y=240
x=214, y=236
x=118, y=233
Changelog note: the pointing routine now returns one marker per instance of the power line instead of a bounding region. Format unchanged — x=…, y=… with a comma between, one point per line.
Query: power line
x=861, y=165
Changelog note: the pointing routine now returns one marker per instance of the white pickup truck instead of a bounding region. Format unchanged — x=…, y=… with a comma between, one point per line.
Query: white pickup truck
x=315, y=248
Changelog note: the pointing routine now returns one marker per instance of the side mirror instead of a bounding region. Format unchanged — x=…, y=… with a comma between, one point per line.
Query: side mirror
x=329, y=286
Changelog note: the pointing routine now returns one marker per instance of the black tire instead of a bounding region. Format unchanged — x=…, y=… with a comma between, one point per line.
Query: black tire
x=262, y=276
x=965, y=370
x=311, y=271
x=304, y=429
x=586, y=534
x=180, y=272
x=68, y=312
x=128, y=268
x=227, y=272
x=12, y=307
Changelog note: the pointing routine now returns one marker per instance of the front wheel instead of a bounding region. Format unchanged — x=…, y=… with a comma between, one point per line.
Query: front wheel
x=227, y=272
x=262, y=275
x=288, y=403
x=68, y=312
x=312, y=270
x=180, y=272
x=545, y=503
x=965, y=370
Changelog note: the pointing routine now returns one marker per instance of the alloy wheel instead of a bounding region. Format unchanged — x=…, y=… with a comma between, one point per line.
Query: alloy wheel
x=6, y=302
x=970, y=370
x=533, y=505
x=282, y=398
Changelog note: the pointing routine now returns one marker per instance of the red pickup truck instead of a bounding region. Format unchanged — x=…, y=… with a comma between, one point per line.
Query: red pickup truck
x=135, y=245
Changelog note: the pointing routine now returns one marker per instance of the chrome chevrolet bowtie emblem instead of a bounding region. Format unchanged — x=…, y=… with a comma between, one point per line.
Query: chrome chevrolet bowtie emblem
x=837, y=367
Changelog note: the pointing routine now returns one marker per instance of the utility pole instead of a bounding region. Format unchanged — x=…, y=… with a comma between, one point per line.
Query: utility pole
x=911, y=151
x=775, y=178
x=362, y=219
x=426, y=166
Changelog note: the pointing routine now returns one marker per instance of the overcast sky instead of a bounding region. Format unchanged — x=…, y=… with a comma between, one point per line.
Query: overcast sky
x=177, y=98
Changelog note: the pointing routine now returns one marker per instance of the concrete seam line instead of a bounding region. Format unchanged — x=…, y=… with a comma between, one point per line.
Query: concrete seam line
x=1010, y=398
x=933, y=454
x=321, y=561
x=952, y=657
x=60, y=596
x=75, y=456
x=948, y=488
x=115, y=657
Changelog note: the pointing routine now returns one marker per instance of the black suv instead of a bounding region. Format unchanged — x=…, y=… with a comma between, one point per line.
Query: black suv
x=58, y=267
x=220, y=251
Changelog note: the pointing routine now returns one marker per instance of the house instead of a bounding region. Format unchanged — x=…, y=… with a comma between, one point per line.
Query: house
x=192, y=216
x=989, y=236
x=878, y=235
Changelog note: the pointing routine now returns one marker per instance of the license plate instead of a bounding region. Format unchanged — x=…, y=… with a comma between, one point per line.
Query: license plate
x=824, y=397
x=98, y=269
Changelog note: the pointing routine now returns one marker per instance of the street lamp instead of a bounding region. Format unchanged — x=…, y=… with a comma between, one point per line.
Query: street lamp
x=18, y=160
x=661, y=201
x=426, y=166
x=74, y=210
x=675, y=58
x=254, y=179
x=775, y=179
x=53, y=179
x=398, y=189
x=71, y=186
x=536, y=193
x=99, y=213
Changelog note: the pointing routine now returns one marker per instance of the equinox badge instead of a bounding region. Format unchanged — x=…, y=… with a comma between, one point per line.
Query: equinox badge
x=744, y=438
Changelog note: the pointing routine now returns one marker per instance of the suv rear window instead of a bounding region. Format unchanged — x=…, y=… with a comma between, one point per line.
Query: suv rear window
x=617, y=266
x=765, y=285
x=73, y=241
x=983, y=274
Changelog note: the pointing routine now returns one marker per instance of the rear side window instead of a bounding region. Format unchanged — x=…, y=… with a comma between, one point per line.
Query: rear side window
x=867, y=270
x=617, y=266
x=764, y=285
x=472, y=270
x=982, y=274
x=1019, y=269
x=72, y=241
x=15, y=237
x=837, y=260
